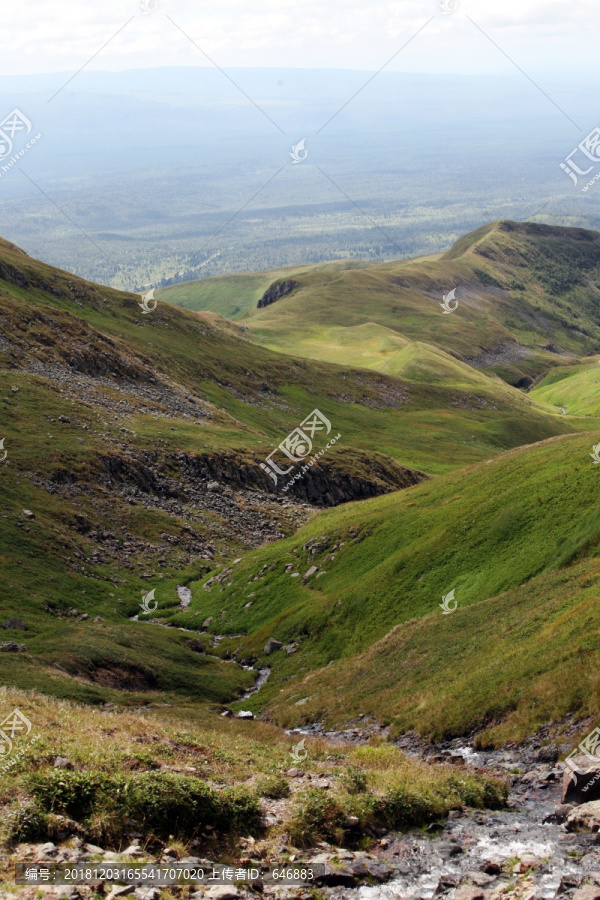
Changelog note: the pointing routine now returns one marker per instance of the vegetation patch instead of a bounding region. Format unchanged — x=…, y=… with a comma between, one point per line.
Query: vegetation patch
x=161, y=805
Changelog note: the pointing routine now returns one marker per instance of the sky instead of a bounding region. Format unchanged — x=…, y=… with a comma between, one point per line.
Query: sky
x=553, y=38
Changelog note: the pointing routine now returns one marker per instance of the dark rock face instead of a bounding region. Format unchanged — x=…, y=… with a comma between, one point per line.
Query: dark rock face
x=324, y=484
x=582, y=785
x=276, y=291
x=12, y=275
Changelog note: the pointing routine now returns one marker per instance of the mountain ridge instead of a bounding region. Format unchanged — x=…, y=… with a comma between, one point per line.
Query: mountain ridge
x=134, y=447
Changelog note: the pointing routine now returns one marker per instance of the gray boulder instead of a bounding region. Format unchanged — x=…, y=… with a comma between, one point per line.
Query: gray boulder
x=12, y=647
x=585, y=818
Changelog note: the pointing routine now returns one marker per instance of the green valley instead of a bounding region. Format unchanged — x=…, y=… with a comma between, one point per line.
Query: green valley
x=430, y=575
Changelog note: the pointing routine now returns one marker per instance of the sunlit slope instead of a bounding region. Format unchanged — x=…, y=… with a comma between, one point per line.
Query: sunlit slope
x=528, y=298
x=573, y=389
x=376, y=347
x=254, y=397
x=516, y=539
x=235, y=295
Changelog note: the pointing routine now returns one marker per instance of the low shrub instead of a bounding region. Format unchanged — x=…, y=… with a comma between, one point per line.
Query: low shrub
x=354, y=780
x=275, y=787
x=25, y=822
x=400, y=808
x=317, y=816
x=160, y=804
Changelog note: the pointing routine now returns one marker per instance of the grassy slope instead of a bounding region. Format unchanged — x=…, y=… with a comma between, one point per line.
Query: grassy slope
x=208, y=357
x=574, y=388
x=54, y=319
x=502, y=535
x=233, y=296
x=530, y=284
x=57, y=319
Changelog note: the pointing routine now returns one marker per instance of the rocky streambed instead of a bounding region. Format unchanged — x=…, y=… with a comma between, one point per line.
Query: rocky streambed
x=532, y=849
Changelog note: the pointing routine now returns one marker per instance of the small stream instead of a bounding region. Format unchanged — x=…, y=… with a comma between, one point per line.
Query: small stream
x=527, y=831
x=432, y=865
x=263, y=677
x=429, y=865
x=185, y=596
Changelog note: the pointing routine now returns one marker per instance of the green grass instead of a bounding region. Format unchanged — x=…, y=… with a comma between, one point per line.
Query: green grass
x=233, y=296
x=515, y=538
x=574, y=388
x=516, y=283
x=255, y=397
x=485, y=530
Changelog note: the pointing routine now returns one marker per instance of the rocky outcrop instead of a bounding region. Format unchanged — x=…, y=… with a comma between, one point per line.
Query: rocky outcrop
x=352, y=476
x=276, y=291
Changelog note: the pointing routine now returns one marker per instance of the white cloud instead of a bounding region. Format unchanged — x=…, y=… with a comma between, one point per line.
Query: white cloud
x=63, y=35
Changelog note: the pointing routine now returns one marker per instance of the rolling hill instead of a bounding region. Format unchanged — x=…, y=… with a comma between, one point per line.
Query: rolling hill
x=529, y=298
x=134, y=446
